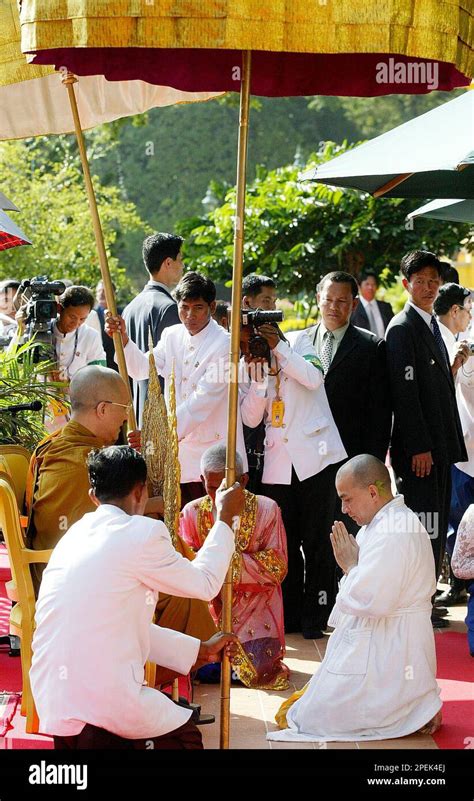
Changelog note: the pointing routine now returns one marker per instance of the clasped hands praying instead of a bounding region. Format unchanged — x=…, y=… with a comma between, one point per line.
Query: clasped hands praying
x=344, y=545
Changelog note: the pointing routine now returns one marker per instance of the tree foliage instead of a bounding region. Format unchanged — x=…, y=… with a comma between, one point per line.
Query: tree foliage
x=297, y=231
x=43, y=177
x=154, y=169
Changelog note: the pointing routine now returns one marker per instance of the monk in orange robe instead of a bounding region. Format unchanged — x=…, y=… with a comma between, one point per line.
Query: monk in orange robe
x=58, y=486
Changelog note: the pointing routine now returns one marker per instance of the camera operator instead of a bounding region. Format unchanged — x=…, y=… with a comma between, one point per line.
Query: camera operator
x=302, y=452
x=8, y=324
x=258, y=292
x=74, y=343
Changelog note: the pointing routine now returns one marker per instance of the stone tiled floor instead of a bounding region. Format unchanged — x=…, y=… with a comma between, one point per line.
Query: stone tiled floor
x=253, y=711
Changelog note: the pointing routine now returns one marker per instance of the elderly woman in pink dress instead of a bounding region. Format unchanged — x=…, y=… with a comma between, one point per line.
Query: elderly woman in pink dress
x=259, y=566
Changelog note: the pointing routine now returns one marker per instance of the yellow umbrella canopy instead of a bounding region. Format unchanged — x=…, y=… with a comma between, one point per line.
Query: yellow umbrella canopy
x=332, y=48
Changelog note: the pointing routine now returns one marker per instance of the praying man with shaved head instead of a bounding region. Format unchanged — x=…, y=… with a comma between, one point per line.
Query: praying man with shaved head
x=58, y=489
x=377, y=679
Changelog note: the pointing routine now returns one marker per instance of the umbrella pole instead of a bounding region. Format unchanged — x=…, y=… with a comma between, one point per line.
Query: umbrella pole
x=237, y=271
x=69, y=80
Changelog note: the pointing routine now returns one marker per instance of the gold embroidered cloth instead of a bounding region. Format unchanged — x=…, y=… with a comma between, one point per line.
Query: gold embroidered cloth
x=432, y=29
x=259, y=566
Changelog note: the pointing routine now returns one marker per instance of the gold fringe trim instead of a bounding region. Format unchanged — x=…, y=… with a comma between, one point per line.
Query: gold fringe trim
x=434, y=29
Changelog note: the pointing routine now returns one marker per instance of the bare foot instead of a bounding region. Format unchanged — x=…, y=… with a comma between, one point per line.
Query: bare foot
x=433, y=725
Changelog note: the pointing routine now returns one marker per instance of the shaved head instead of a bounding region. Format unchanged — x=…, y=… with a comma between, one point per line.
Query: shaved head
x=364, y=487
x=93, y=384
x=365, y=470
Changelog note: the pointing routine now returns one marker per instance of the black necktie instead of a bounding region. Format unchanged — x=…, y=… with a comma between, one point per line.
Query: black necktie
x=439, y=339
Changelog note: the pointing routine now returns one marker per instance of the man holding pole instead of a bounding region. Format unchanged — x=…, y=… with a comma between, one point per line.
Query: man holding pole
x=97, y=635
x=198, y=353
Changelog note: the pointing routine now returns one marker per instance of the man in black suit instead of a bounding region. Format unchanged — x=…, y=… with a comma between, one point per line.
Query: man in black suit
x=100, y=308
x=371, y=314
x=354, y=363
x=427, y=435
x=356, y=382
x=154, y=309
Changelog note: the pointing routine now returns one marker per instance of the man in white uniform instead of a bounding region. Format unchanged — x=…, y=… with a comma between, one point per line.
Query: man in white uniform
x=377, y=679
x=303, y=449
x=94, y=614
x=197, y=350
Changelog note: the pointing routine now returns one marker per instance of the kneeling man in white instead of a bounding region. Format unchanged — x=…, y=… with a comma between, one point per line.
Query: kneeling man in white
x=377, y=679
x=94, y=629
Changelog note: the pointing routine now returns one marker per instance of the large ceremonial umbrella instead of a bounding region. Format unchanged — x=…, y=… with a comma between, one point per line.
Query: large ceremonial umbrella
x=346, y=48
x=11, y=236
x=32, y=103
x=452, y=209
x=429, y=156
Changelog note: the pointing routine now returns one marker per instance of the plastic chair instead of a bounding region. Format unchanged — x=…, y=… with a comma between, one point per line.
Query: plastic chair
x=22, y=615
x=6, y=469
x=17, y=461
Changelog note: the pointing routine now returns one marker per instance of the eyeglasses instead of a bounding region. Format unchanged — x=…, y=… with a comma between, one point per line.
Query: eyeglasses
x=463, y=308
x=128, y=406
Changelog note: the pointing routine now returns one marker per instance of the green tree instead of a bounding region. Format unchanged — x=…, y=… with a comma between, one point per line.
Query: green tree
x=297, y=231
x=165, y=165
x=44, y=178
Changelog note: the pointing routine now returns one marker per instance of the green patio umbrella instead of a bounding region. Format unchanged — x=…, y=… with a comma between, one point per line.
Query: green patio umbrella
x=452, y=209
x=429, y=156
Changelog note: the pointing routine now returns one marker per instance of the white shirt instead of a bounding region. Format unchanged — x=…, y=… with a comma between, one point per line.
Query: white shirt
x=374, y=308
x=377, y=679
x=464, y=383
x=8, y=326
x=201, y=365
x=94, y=322
x=78, y=348
x=94, y=629
x=426, y=316
x=338, y=335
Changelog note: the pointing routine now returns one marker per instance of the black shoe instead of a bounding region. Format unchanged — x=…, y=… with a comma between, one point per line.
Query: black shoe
x=452, y=597
x=313, y=634
x=440, y=611
x=197, y=717
x=439, y=623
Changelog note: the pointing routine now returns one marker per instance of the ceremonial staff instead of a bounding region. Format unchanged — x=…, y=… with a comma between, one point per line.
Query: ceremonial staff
x=237, y=271
x=69, y=80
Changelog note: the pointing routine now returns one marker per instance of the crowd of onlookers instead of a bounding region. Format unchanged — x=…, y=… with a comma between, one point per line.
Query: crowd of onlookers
x=360, y=381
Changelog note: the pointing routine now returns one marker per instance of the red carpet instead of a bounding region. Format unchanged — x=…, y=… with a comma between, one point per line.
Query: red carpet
x=456, y=679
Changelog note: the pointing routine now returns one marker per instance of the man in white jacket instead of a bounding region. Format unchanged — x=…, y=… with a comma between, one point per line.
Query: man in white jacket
x=197, y=351
x=303, y=450
x=377, y=679
x=94, y=629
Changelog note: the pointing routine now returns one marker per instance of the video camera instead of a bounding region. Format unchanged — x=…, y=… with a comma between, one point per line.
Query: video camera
x=36, y=297
x=252, y=343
